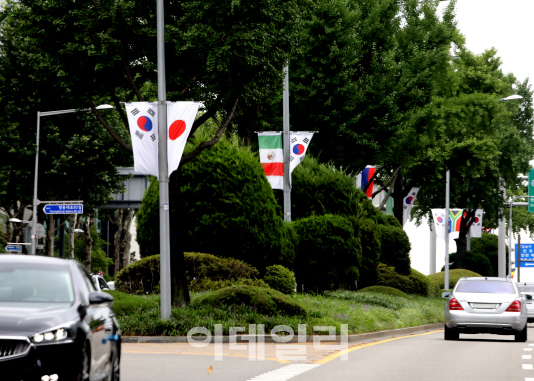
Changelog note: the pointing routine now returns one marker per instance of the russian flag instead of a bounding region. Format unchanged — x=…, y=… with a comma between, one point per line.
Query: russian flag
x=363, y=179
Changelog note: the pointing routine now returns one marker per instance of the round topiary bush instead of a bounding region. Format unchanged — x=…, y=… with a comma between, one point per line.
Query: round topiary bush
x=281, y=279
x=264, y=300
x=395, y=248
x=385, y=290
x=478, y=263
x=328, y=255
x=415, y=283
x=370, y=243
x=226, y=207
x=203, y=272
x=454, y=275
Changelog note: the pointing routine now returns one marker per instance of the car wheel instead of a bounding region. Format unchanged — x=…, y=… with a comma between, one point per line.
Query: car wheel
x=83, y=367
x=116, y=365
x=451, y=334
x=522, y=335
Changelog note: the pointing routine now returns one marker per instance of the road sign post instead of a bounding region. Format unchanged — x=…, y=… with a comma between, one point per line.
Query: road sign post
x=14, y=248
x=63, y=209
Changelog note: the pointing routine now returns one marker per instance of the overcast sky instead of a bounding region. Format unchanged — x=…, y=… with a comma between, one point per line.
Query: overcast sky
x=507, y=25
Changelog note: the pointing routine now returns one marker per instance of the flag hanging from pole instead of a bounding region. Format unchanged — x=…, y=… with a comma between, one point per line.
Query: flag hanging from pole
x=272, y=157
x=455, y=219
x=180, y=119
x=143, y=123
x=363, y=179
x=407, y=204
x=299, y=145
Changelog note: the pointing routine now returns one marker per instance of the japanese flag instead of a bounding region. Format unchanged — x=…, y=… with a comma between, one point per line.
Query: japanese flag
x=143, y=123
x=180, y=118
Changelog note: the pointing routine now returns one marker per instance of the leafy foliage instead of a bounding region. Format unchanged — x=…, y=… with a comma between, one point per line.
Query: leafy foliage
x=280, y=278
x=395, y=249
x=263, y=300
x=148, y=221
x=478, y=263
x=371, y=251
x=328, y=255
x=203, y=272
x=454, y=275
x=385, y=290
x=488, y=245
x=414, y=283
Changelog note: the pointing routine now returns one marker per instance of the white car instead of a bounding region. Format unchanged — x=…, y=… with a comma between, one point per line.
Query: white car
x=527, y=290
x=100, y=283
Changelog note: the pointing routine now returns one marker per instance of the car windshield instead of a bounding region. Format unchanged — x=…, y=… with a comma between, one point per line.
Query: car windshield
x=23, y=283
x=486, y=287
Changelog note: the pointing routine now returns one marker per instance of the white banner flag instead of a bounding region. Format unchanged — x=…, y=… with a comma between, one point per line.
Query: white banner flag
x=299, y=141
x=439, y=222
x=180, y=119
x=143, y=123
x=407, y=204
x=476, y=228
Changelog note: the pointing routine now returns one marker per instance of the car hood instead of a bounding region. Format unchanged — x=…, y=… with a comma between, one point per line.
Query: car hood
x=27, y=319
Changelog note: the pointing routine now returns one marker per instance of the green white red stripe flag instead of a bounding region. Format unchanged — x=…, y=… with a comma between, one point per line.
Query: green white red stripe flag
x=272, y=157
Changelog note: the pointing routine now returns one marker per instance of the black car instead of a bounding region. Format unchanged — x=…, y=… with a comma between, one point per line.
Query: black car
x=54, y=324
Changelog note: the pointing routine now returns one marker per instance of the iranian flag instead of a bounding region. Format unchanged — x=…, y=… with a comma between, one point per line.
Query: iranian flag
x=272, y=157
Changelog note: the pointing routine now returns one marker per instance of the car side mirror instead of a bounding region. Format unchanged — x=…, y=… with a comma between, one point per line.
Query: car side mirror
x=446, y=294
x=99, y=297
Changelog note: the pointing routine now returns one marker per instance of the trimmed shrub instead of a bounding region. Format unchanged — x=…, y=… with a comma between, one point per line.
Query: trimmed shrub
x=395, y=248
x=147, y=221
x=212, y=285
x=385, y=290
x=415, y=283
x=125, y=304
x=280, y=279
x=226, y=208
x=478, y=263
x=488, y=245
x=203, y=272
x=370, y=242
x=263, y=300
x=328, y=255
x=454, y=275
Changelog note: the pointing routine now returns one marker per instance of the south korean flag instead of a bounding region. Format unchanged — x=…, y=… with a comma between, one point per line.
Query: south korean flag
x=299, y=141
x=143, y=123
x=439, y=222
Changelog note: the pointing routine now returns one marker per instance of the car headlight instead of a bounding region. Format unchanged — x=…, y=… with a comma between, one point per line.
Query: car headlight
x=50, y=336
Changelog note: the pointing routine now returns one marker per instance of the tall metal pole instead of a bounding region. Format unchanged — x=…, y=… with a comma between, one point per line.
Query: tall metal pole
x=164, y=245
x=502, y=242
x=510, y=240
x=34, y=218
x=446, y=283
x=432, y=264
x=287, y=154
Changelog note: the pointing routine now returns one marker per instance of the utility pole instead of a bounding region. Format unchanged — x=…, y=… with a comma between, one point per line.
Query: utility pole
x=446, y=283
x=287, y=154
x=164, y=245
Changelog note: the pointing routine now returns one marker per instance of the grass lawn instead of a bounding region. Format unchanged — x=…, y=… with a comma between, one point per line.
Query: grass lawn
x=362, y=311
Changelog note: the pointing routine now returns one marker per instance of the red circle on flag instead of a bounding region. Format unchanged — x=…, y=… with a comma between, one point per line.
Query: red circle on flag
x=177, y=129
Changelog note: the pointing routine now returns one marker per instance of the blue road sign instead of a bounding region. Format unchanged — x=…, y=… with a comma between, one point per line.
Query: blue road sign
x=14, y=248
x=64, y=209
x=527, y=254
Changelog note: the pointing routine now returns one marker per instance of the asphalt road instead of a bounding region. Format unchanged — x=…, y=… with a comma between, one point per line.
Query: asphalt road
x=423, y=356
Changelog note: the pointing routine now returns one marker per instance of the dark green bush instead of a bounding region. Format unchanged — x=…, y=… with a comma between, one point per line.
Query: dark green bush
x=488, y=245
x=370, y=243
x=263, y=300
x=281, y=279
x=125, y=304
x=385, y=290
x=203, y=271
x=395, y=248
x=328, y=255
x=415, y=283
x=454, y=275
x=475, y=262
x=226, y=208
x=212, y=285
x=147, y=221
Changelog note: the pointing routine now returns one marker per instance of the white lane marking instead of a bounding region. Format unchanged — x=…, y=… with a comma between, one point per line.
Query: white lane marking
x=527, y=349
x=527, y=366
x=526, y=357
x=284, y=373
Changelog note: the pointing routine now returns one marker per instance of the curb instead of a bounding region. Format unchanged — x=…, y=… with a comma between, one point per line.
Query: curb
x=278, y=338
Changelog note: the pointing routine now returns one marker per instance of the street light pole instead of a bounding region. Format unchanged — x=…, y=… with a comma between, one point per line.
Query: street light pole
x=447, y=195
x=35, y=200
